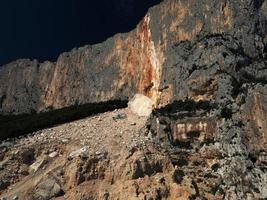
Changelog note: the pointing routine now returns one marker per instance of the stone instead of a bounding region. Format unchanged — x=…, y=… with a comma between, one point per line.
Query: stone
x=47, y=189
x=15, y=198
x=37, y=165
x=24, y=170
x=83, y=152
x=64, y=140
x=53, y=154
x=141, y=105
x=119, y=116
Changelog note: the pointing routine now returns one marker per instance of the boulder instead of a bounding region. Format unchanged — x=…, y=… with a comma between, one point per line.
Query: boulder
x=83, y=152
x=47, y=189
x=37, y=165
x=141, y=105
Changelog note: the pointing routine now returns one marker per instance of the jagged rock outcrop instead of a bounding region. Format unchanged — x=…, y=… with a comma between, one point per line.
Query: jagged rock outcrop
x=203, y=64
x=224, y=143
x=217, y=81
x=143, y=60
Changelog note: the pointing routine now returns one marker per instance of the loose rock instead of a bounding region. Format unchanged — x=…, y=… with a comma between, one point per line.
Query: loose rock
x=37, y=165
x=53, y=154
x=83, y=152
x=47, y=190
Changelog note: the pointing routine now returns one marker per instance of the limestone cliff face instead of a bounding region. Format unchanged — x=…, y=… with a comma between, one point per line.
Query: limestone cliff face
x=146, y=59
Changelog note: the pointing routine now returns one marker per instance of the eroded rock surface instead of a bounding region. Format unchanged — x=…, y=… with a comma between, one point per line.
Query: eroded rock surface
x=201, y=34
x=224, y=142
x=203, y=65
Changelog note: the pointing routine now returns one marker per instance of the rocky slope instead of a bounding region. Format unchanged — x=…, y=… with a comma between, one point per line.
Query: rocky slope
x=203, y=64
x=76, y=158
x=118, y=155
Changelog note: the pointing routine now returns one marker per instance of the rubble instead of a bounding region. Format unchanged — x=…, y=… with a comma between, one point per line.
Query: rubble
x=47, y=189
x=83, y=152
x=37, y=165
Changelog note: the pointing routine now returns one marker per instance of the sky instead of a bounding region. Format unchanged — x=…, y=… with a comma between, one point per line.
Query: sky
x=42, y=29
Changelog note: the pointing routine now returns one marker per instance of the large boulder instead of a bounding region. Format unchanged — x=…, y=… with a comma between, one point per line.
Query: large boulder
x=47, y=189
x=141, y=105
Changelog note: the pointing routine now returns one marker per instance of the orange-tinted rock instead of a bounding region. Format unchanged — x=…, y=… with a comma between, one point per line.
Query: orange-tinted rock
x=203, y=64
x=118, y=68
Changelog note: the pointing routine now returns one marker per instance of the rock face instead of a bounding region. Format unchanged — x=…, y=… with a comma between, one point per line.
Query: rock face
x=157, y=59
x=224, y=144
x=203, y=64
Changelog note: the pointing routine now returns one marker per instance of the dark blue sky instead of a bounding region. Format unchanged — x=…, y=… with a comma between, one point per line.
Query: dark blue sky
x=43, y=29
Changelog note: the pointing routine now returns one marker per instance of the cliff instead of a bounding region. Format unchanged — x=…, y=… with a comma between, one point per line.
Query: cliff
x=175, y=38
x=203, y=63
